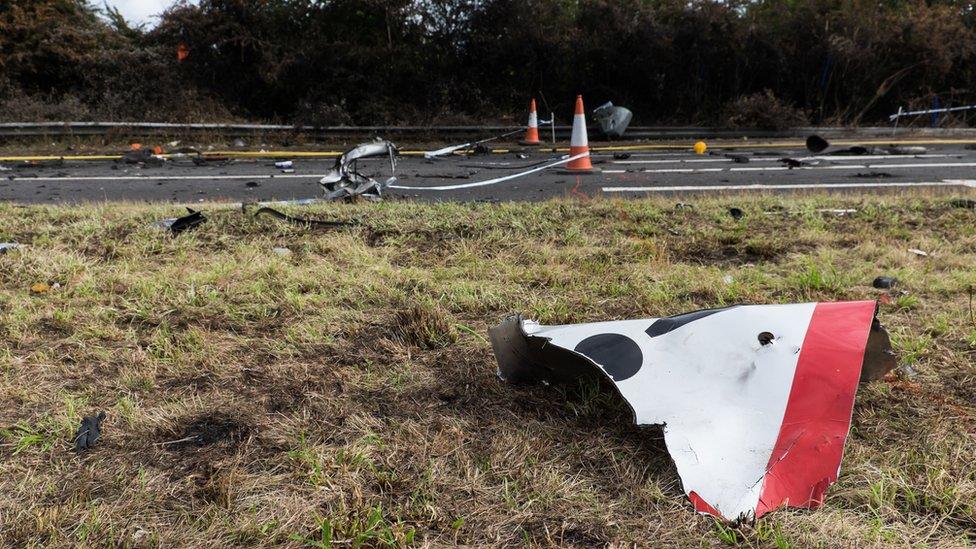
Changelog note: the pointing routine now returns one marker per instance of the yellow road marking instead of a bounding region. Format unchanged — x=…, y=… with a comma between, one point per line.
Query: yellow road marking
x=607, y=148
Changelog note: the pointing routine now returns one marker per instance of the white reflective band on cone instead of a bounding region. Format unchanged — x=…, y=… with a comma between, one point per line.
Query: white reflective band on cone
x=579, y=132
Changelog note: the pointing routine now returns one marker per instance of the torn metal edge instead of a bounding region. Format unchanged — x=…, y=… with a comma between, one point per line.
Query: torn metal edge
x=345, y=181
x=526, y=358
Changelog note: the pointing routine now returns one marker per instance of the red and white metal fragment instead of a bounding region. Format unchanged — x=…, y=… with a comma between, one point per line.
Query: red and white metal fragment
x=755, y=401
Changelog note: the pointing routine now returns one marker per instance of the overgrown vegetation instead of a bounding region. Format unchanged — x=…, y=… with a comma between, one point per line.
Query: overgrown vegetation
x=387, y=61
x=345, y=394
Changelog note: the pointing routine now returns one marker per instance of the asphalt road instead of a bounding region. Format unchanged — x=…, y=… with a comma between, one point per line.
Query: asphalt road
x=462, y=178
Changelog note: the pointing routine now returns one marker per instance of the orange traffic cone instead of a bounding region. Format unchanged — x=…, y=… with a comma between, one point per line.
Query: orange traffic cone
x=579, y=143
x=532, y=132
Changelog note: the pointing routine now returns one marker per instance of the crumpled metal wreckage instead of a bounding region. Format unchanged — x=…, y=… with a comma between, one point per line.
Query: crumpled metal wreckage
x=345, y=181
x=755, y=400
x=613, y=120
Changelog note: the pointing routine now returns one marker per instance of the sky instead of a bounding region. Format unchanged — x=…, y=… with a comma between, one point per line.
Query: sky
x=139, y=11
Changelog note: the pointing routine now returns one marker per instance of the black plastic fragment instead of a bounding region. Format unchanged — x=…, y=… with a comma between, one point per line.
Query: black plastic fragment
x=873, y=175
x=817, y=144
x=967, y=203
x=480, y=150
x=188, y=221
x=856, y=150
x=885, y=282
x=736, y=213
x=89, y=432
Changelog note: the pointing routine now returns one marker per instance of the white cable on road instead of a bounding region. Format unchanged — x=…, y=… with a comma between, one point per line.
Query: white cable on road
x=497, y=180
x=971, y=183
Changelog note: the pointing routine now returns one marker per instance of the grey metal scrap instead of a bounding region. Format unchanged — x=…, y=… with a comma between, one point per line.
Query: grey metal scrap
x=345, y=181
x=613, y=120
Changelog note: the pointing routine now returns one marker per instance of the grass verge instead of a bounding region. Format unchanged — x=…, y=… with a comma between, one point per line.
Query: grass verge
x=345, y=394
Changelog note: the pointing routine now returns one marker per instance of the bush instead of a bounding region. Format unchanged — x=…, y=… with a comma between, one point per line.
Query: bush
x=763, y=111
x=758, y=64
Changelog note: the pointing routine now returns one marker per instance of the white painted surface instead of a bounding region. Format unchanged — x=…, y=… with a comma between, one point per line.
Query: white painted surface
x=720, y=394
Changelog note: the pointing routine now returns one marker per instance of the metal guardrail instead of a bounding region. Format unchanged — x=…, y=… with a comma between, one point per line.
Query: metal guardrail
x=133, y=129
x=902, y=112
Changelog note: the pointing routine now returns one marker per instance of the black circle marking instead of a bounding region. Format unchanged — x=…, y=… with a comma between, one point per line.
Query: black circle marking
x=765, y=338
x=619, y=355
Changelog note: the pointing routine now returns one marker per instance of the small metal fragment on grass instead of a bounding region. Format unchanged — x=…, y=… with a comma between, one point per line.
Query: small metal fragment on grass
x=178, y=441
x=89, y=432
x=282, y=252
x=302, y=221
x=906, y=371
x=8, y=247
x=755, y=401
x=918, y=252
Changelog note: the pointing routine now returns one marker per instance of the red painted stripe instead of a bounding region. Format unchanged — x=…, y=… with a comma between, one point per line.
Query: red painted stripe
x=810, y=445
x=701, y=505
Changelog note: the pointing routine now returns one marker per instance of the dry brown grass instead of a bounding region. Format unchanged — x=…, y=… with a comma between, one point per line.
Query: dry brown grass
x=347, y=392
